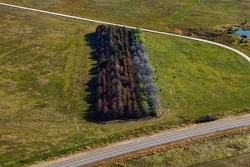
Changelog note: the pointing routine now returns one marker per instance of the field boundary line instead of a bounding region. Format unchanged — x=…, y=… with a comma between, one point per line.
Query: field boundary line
x=130, y=27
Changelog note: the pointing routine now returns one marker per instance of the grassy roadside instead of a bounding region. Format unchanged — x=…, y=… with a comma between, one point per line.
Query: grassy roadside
x=197, y=154
x=45, y=65
x=235, y=161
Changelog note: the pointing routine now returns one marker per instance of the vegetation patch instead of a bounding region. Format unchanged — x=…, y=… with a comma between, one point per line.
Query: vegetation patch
x=232, y=30
x=116, y=89
x=235, y=161
x=206, y=118
x=124, y=89
x=145, y=84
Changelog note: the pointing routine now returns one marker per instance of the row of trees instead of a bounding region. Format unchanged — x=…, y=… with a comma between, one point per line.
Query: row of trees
x=146, y=88
x=115, y=83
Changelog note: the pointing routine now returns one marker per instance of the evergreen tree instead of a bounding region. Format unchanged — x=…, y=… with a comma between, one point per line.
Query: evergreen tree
x=98, y=92
x=98, y=108
x=114, y=110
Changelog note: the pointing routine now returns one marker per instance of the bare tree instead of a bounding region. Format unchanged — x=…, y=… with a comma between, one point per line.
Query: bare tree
x=144, y=73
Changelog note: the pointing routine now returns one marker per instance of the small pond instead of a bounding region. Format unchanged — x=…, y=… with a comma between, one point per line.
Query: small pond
x=242, y=32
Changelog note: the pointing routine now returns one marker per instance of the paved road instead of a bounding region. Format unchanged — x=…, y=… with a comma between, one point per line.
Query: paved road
x=143, y=29
x=152, y=142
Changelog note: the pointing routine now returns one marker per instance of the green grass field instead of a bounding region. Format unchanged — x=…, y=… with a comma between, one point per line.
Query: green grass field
x=45, y=64
x=155, y=14
x=198, y=78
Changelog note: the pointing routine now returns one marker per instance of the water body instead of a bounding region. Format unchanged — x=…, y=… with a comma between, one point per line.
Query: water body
x=243, y=32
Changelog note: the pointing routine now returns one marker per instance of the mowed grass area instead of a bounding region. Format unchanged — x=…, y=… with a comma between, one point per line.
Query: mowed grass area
x=45, y=66
x=150, y=14
x=196, y=78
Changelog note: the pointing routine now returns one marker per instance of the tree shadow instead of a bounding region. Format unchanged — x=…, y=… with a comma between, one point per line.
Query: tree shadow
x=90, y=99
